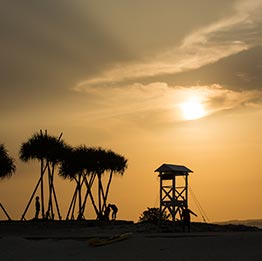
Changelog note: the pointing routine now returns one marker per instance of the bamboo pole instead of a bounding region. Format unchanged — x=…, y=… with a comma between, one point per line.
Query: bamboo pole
x=107, y=189
x=33, y=194
x=88, y=192
x=71, y=204
x=2, y=207
x=92, y=198
x=42, y=189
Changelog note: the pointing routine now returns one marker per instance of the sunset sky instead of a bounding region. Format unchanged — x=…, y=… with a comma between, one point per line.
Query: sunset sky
x=166, y=81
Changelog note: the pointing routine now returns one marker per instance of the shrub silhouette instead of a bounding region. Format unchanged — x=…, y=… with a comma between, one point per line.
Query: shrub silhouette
x=153, y=215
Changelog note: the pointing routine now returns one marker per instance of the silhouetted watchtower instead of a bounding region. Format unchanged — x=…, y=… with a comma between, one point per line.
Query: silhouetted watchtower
x=173, y=188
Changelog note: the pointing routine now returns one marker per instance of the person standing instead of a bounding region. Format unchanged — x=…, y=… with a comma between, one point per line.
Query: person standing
x=186, y=218
x=37, y=207
x=106, y=213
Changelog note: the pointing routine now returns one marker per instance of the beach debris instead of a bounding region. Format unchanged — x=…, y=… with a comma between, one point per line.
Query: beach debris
x=109, y=240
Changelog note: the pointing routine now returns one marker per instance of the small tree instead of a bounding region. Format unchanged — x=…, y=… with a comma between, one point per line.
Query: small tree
x=153, y=215
x=79, y=165
x=7, y=168
x=49, y=151
x=84, y=165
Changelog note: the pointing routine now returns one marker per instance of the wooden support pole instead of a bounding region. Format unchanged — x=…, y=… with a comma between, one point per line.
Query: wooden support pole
x=161, y=195
x=32, y=196
x=2, y=207
x=173, y=198
x=186, y=188
x=91, y=196
x=30, y=200
x=71, y=204
x=79, y=196
x=56, y=202
x=42, y=189
x=88, y=191
x=73, y=207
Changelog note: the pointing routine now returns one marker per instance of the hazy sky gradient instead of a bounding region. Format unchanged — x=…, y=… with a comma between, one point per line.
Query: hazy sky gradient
x=115, y=73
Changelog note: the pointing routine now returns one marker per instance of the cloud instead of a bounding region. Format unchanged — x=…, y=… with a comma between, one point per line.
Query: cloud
x=48, y=44
x=241, y=71
x=220, y=99
x=244, y=26
x=119, y=103
x=157, y=104
x=228, y=36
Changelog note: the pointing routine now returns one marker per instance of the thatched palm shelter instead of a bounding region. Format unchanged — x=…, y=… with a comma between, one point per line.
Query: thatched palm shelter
x=49, y=151
x=77, y=166
x=7, y=168
x=84, y=165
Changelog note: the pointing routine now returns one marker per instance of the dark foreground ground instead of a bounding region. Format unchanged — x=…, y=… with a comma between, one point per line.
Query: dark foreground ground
x=87, y=228
x=69, y=240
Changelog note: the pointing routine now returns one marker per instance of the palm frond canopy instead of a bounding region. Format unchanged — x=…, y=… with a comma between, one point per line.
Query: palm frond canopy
x=91, y=160
x=102, y=160
x=115, y=162
x=42, y=146
x=77, y=161
x=7, y=166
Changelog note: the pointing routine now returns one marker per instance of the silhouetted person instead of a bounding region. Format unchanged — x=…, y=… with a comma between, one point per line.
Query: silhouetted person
x=114, y=210
x=107, y=213
x=186, y=212
x=50, y=216
x=37, y=207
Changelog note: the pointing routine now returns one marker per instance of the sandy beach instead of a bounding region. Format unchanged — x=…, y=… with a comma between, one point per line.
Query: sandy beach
x=43, y=241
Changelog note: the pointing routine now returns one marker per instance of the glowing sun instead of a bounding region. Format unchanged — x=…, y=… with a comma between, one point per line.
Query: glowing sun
x=192, y=109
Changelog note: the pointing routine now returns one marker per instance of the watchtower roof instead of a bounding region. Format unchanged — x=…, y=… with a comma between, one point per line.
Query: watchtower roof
x=171, y=168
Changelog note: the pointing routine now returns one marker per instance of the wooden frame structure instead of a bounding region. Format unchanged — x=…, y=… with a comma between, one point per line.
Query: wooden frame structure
x=49, y=167
x=173, y=194
x=77, y=194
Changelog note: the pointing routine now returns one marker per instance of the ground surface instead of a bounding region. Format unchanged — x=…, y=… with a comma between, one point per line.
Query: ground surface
x=69, y=241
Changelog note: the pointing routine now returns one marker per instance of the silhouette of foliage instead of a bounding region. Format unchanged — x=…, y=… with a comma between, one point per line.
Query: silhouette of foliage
x=82, y=161
x=115, y=162
x=42, y=146
x=7, y=166
x=49, y=151
x=85, y=165
x=79, y=161
x=153, y=215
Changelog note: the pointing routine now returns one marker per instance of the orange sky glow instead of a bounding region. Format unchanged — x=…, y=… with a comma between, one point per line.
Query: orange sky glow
x=174, y=83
